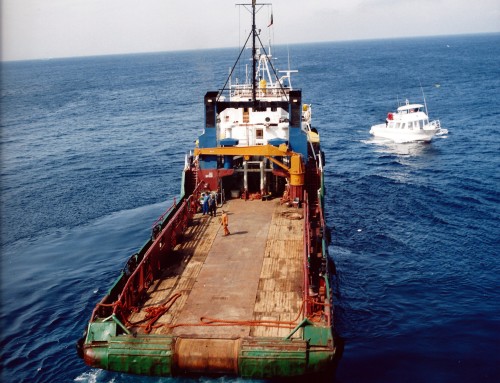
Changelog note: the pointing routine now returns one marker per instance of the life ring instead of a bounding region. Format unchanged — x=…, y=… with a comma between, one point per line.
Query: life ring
x=389, y=116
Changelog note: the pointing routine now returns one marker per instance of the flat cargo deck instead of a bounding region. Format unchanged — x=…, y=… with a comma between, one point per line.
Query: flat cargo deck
x=246, y=284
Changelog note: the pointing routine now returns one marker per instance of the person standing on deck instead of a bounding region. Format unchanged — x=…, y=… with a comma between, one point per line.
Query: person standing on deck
x=212, y=205
x=225, y=222
x=205, y=203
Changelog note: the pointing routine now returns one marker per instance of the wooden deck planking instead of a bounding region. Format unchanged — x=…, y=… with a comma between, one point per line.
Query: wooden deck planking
x=228, y=281
x=279, y=297
x=253, y=274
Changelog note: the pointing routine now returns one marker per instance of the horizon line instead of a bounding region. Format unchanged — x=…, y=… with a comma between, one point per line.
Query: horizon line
x=234, y=47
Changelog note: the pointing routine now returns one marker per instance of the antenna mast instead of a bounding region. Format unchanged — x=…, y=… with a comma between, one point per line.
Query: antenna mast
x=423, y=95
x=254, y=53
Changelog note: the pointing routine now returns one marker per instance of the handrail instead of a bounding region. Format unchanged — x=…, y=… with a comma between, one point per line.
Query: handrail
x=306, y=256
x=123, y=300
x=328, y=313
x=141, y=278
x=160, y=219
x=324, y=252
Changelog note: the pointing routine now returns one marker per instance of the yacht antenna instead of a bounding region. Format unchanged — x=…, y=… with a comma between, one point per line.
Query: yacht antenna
x=254, y=53
x=288, y=53
x=425, y=103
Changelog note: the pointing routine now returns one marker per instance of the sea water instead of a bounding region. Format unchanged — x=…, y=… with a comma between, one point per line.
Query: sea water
x=92, y=151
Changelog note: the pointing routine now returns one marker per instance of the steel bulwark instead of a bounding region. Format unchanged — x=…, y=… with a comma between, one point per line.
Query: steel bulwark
x=143, y=355
x=253, y=358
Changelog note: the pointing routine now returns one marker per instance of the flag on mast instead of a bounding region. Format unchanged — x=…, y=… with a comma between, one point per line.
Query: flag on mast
x=271, y=23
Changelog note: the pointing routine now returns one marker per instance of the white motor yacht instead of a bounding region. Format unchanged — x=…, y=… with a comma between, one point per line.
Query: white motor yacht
x=408, y=124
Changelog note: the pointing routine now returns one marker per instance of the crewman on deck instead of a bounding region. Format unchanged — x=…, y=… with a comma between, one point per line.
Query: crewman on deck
x=205, y=203
x=212, y=205
x=225, y=222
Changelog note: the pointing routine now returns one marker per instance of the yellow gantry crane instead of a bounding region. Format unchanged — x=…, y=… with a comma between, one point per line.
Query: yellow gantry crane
x=296, y=170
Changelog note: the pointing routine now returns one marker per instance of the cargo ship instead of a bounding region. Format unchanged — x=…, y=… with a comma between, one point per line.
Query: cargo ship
x=235, y=279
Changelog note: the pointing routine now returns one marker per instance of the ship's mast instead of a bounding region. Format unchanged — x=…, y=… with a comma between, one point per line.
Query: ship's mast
x=254, y=53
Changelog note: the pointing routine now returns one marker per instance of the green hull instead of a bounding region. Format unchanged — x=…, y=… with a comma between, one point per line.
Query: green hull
x=254, y=358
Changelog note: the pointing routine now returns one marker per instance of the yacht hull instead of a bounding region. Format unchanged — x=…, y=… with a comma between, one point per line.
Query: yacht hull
x=399, y=136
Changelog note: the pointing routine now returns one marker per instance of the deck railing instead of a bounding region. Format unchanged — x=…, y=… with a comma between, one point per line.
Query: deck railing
x=307, y=252
x=176, y=220
x=313, y=304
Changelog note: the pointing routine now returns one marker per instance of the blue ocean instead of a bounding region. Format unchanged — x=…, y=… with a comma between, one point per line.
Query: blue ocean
x=92, y=151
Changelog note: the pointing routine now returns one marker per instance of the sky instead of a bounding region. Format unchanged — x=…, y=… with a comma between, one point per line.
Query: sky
x=41, y=29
